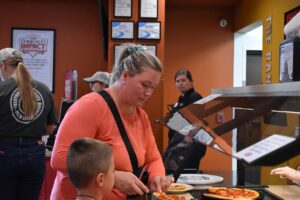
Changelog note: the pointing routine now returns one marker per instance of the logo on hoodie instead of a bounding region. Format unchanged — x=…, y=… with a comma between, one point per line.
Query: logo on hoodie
x=17, y=112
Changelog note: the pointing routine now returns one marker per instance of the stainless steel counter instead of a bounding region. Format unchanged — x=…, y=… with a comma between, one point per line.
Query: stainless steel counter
x=286, y=192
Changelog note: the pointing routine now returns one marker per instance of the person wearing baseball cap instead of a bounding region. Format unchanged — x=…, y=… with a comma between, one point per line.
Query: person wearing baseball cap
x=98, y=81
x=9, y=56
x=26, y=113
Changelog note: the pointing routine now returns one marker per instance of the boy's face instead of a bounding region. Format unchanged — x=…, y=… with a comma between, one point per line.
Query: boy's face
x=109, y=178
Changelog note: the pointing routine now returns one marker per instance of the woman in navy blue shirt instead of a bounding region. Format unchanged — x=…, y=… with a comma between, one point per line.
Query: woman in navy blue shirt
x=180, y=153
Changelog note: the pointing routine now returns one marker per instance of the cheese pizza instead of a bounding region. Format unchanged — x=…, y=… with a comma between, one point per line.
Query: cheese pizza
x=177, y=187
x=164, y=196
x=231, y=193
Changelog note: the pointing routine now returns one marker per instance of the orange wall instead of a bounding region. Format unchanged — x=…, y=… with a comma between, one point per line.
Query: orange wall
x=78, y=41
x=154, y=106
x=195, y=40
x=78, y=37
x=252, y=11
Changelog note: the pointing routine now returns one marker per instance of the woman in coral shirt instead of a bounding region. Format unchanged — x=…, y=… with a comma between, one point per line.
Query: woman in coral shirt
x=134, y=78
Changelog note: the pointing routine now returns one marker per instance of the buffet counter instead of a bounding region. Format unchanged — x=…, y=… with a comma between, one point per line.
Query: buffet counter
x=272, y=192
x=286, y=192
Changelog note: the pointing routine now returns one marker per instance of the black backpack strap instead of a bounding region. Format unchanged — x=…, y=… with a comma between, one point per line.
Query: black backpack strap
x=114, y=110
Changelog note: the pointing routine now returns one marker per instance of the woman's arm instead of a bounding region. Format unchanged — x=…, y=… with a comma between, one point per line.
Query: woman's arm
x=157, y=179
x=50, y=129
x=81, y=120
x=128, y=183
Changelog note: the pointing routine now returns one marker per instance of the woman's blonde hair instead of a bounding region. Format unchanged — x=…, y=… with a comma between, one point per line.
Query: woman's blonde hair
x=134, y=58
x=25, y=85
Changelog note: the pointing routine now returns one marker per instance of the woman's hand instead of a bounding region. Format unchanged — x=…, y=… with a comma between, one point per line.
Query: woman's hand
x=128, y=183
x=287, y=172
x=161, y=184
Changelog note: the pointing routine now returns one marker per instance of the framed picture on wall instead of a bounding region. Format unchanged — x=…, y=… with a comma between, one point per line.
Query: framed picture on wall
x=151, y=48
x=117, y=51
x=148, y=30
x=123, y=8
x=38, y=48
x=122, y=30
x=148, y=9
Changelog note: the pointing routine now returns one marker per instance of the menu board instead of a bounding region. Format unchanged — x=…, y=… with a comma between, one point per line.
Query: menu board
x=264, y=147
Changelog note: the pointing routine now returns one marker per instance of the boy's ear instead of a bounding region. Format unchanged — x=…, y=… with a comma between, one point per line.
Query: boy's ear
x=100, y=179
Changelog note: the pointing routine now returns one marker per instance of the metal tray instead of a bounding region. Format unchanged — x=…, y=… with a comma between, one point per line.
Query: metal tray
x=263, y=195
x=198, y=195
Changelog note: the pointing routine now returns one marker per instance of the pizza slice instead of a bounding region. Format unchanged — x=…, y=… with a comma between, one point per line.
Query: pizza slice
x=164, y=196
x=177, y=187
x=231, y=193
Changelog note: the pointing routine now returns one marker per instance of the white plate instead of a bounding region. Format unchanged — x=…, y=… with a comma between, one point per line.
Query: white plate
x=184, y=188
x=199, y=179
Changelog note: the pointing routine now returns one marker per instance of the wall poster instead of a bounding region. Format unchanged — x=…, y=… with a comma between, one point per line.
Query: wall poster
x=37, y=46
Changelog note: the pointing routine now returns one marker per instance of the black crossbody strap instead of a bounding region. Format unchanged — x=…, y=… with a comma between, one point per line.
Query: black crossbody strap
x=113, y=108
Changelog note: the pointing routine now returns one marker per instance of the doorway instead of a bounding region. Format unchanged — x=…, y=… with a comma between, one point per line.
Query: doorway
x=247, y=39
x=253, y=67
x=247, y=43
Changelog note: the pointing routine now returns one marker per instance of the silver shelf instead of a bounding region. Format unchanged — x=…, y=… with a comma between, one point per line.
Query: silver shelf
x=257, y=102
x=268, y=90
x=288, y=94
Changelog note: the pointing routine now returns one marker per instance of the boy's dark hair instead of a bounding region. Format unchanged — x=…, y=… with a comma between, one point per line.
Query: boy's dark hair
x=87, y=158
x=184, y=72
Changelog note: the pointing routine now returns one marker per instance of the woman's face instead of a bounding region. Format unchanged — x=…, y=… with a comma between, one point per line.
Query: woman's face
x=97, y=86
x=183, y=84
x=5, y=71
x=140, y=86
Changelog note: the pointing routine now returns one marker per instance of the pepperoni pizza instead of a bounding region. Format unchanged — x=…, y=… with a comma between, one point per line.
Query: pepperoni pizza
x=231, y=193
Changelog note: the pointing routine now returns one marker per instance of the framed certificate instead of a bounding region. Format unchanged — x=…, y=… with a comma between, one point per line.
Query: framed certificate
x=122, y=30
x=123, y=8
x=117, y=51
x=148, y=30
x=38, y=48
x=148, y=9
x=151, y=48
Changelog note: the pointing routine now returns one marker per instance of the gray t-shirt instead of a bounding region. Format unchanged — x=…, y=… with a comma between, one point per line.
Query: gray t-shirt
x=13, y=123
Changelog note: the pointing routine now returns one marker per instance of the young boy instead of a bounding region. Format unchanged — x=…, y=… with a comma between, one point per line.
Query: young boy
x=90, y=168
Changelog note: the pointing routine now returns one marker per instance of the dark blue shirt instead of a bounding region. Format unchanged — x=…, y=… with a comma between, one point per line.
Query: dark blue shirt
x=188, y=155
